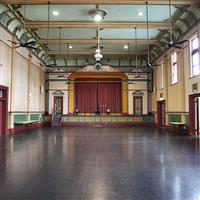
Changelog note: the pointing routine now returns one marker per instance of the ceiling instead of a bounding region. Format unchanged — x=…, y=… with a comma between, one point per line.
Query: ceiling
x=75, y=27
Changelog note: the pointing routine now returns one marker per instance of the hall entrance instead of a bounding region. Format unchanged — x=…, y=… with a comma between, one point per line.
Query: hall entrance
x=194, y=114
x=3, y=109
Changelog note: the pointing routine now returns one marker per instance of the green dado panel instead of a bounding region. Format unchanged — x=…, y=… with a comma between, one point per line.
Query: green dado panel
x=46, y=118
x=9, y=120
x=20, y=117
x=174, y=118
x=148, y=118
x=34, y=116
x=187, y=119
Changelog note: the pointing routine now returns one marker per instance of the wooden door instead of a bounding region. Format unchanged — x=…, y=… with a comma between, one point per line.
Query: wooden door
x=3, y=109
x=161, y=113
x=197, y=117
x=58, y=105
x=194, y=114
x=137, y=105
x=1, y=116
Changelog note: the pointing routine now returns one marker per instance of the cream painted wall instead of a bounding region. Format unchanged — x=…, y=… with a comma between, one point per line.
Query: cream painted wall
x=42, y=90
x=20, y=59
x=5, y=63
x=35, y=88
x=176, y=95
x=20, y=84
x=188, y=79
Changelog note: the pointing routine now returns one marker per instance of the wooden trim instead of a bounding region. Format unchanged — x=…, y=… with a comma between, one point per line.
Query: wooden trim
x=25, y=112
x=90, y=24
x=94, y=75
x=105, y=2
x=179, y=112
x=21, y=129
x=74, y=53
x=94, y=41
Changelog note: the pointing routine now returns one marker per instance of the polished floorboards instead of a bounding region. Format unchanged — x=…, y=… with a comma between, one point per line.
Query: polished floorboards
x=99, y=163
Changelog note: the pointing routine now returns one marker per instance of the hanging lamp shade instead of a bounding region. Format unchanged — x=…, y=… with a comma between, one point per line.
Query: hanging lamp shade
x=97, y=14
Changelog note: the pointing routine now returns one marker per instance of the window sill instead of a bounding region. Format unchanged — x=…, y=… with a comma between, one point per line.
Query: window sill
x=191, y=77
x=172, y=84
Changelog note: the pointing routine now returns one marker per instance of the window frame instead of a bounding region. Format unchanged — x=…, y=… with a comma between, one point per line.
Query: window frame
x=192, y=53
x=174, y=64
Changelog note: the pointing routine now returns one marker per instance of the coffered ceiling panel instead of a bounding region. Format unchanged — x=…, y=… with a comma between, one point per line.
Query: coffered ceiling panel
x=67, y=33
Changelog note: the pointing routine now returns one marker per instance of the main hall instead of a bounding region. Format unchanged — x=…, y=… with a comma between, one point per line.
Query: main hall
x=100, y=100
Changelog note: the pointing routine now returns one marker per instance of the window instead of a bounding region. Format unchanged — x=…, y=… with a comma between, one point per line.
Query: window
x=195, y=61
x=174, y=67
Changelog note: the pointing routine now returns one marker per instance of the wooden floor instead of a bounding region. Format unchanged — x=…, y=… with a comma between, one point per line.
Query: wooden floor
x=97, y=163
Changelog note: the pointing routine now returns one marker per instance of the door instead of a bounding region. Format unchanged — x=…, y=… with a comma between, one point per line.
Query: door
x=137, y=105
x=3, y=109
x=194, y=114
x=1, y=116
x=58, y=105
x=197, y=115
x=161, y=113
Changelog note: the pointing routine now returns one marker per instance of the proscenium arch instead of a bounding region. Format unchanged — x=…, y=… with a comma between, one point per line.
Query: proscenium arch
x=71, y=86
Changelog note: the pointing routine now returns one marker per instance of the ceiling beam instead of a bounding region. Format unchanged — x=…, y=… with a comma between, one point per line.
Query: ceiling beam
x=91, y=24
x=139, y=52
x=94, y=41
x=105, y=2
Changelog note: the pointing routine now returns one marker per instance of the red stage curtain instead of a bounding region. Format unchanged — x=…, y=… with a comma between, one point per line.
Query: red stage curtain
x=86, y=96
x=94, y=95
x=110, y=97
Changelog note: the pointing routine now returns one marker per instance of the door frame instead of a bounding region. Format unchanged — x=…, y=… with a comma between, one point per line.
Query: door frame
x=5, y=114
x=159, y=113
x=192, y=113
x=54, y=101
x=137, y=97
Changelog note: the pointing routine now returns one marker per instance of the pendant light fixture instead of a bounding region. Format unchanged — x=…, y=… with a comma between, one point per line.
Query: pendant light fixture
x=97, y=14
x=98, y=56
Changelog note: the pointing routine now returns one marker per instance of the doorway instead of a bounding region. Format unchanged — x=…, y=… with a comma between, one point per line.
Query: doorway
x=3, y=109
x=194, y=114
x=137, y=105
x=58, y=105
x=161, y=113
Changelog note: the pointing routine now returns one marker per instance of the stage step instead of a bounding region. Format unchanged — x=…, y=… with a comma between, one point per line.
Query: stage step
x=56, y=120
